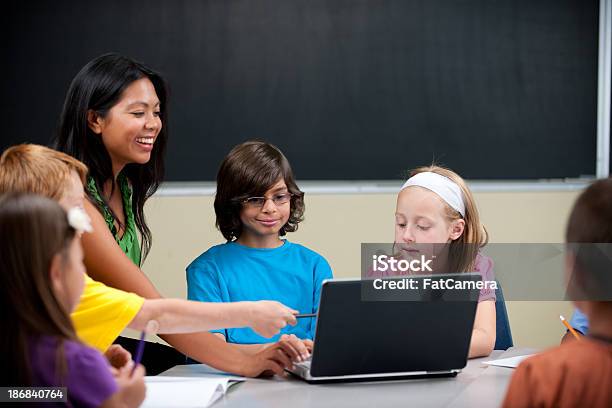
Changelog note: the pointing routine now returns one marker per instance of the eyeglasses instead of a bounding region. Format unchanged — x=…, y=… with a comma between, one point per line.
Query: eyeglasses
x=277, y=199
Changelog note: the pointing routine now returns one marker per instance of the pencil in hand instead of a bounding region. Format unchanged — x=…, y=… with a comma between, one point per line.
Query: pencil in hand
x=570, y=328
x=151, y=328
x=305, y=315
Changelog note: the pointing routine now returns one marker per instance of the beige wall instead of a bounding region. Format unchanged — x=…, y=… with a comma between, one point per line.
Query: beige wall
x=336, y=225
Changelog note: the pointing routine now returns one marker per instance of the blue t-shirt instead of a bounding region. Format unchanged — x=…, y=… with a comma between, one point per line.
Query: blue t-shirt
x=291, y=274
x=580, y=322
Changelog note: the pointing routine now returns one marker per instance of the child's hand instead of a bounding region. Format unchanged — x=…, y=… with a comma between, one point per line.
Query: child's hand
x=117, y=356
x=300, y=348
x=270, y=360
x=132, y=388
x=267, y=318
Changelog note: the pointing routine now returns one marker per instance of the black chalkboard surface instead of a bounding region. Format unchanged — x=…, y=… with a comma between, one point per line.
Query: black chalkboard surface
x=348, y=89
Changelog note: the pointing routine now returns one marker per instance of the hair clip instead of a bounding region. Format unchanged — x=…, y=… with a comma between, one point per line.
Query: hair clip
x=79, y=220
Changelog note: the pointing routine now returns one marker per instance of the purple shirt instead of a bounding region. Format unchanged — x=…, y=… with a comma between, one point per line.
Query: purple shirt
x=484, y=266
x=88, y=378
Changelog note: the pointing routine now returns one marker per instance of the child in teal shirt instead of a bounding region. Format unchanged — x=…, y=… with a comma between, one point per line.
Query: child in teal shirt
x=257, y=202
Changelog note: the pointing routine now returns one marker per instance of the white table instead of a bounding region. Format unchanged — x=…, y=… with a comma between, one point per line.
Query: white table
x=477, y=385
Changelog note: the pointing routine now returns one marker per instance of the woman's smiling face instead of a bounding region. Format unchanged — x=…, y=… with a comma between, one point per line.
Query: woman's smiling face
x=129, y=129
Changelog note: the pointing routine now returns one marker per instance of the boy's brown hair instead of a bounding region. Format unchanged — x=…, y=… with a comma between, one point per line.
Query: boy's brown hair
x=249, y=170
x=589, y=238
x=591, y=218
x=37, y=169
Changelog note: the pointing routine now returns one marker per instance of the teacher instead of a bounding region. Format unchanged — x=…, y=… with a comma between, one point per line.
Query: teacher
x=114, y=120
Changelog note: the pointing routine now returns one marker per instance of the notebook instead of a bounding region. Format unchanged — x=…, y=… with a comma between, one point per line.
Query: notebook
x=510, y=362
x=186, y=391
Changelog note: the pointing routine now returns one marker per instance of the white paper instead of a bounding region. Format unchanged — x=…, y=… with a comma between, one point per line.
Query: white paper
x=186, y=391
x=511, y=362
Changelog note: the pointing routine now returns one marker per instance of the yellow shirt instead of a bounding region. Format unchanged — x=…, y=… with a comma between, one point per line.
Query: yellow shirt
x=103, y=313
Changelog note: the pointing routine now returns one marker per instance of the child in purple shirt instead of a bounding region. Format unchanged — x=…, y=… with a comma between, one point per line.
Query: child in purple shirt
x=88, y=377
x=41, y=281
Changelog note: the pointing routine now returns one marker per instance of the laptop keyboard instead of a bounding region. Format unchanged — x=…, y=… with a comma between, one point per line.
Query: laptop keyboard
x=305, y=364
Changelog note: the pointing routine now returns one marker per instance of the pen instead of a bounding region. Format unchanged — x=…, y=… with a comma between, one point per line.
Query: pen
x=570, y=328
x=139, y=351
x=302, y=316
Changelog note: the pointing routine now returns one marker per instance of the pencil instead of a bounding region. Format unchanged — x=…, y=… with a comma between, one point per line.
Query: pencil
x=301, y=316
x=570, y=328
x=139, y=351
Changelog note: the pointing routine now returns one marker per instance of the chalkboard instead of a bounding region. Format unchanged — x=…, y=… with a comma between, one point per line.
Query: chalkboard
x=348, y=89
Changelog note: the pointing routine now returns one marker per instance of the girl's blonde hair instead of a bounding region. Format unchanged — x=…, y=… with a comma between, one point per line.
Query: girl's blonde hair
x=463, y=250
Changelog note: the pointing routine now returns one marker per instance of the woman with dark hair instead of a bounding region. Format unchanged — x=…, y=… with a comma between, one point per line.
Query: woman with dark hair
x=114, y=120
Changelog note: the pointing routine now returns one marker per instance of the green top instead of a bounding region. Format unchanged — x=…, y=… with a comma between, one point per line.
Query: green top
x=129, y=241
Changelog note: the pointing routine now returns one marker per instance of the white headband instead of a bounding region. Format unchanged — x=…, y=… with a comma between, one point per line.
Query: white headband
x=444, y=187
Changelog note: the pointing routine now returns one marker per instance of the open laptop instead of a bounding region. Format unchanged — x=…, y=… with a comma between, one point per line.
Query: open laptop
x=361, y=339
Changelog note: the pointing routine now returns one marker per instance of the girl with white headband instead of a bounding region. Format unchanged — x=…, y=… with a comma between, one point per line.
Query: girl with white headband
x=435, y=206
